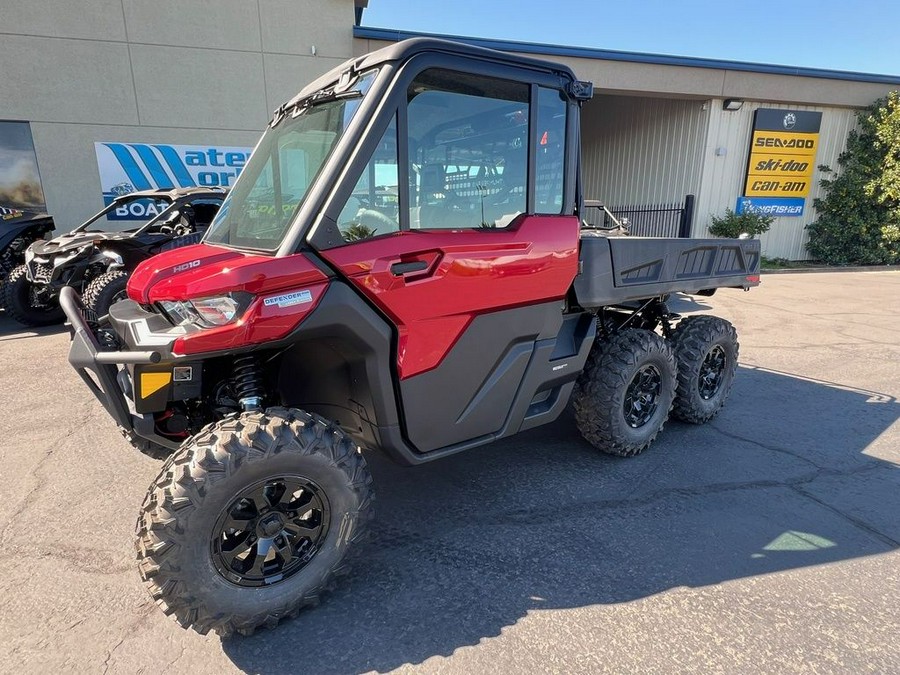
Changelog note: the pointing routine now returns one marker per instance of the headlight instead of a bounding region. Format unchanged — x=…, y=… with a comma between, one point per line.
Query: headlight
x=207, y=312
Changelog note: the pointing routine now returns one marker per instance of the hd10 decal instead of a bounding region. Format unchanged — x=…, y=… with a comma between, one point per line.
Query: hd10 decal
x=783, y=149
x=130, y=167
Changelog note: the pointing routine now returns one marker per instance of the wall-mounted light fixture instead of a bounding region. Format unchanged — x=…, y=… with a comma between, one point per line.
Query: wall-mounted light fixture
x=732, y=104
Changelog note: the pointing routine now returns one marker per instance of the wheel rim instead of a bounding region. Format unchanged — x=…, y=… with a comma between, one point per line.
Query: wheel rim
x=270, y=531
x=642, y=396
x=712, y=372
x=38, y=298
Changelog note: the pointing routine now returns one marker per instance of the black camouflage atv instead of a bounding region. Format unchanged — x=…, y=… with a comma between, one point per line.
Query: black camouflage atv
x=18, y=229
x=97, y=261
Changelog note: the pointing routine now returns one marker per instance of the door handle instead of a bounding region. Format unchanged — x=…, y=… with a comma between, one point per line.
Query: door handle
x=400, y=269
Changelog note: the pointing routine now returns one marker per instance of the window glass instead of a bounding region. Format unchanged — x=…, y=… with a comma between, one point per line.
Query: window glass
x=372, y=208
x=549, y=161
x=468, y=150
x=273, y=185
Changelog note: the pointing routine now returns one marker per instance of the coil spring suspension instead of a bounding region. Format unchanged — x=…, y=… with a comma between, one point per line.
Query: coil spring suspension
x=248, y=382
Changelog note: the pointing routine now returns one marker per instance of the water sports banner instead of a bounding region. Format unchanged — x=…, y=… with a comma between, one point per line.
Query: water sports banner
x=782, y=158
x=129, y=167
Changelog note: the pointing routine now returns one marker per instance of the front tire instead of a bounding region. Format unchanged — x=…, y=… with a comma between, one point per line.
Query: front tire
x=25, y=302
x=105, y=290
x=252, y=520
x=706, y=349
x=623, y=397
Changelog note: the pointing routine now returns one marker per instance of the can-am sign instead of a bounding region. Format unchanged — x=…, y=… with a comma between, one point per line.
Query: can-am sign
x=128, y=167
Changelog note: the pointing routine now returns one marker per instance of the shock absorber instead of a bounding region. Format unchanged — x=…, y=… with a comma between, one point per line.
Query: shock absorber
x=248, y=382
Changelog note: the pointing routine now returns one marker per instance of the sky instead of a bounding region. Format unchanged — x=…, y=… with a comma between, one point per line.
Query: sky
x=861, y=36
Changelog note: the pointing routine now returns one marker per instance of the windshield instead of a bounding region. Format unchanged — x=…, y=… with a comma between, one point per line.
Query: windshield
x=120, y=216
x=272, y=187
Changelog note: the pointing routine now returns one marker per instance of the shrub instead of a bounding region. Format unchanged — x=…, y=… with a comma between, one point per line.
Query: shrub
x=733, y=224
x=859, y=215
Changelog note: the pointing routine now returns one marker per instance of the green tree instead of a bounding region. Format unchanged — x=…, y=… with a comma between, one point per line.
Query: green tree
x=859, y=215
x=735, y=224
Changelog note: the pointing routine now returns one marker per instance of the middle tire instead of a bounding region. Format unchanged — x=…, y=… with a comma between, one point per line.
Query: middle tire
x=624, y=395
x=106, y=289
x=252, y=519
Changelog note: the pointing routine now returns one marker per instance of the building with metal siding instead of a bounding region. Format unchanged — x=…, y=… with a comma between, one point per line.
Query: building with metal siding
x=640, y=150
x=122, y=71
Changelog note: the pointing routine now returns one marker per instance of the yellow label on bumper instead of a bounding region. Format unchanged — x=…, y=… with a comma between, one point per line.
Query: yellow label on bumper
x=153, y=382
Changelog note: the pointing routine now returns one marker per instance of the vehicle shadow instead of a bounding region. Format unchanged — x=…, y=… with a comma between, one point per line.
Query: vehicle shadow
x=794, y=472
x=13, y=330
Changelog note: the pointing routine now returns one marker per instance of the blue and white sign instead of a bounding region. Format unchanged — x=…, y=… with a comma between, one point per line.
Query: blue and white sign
x=128, y=167
x=780, y=207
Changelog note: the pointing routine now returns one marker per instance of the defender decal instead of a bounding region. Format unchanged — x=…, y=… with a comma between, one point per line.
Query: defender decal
x=289, y=299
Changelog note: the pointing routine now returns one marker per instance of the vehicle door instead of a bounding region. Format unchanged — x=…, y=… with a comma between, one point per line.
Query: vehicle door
x=460, y=230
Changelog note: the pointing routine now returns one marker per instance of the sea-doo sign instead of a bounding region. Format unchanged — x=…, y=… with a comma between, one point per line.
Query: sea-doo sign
x=782, y=159
x=127, y=167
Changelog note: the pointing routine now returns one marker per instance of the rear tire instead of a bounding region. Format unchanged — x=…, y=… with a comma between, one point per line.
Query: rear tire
x=706, y=350
x=22, y=303
x=105, y=290
x=204, y=523
x=623, y=397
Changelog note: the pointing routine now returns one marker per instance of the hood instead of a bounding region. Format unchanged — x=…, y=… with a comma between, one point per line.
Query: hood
x=72, y=241
x=18, y=219
x=160, y=269
x=204, y=271
x=15, y=223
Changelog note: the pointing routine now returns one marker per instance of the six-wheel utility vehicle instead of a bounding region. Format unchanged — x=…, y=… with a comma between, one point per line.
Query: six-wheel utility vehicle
x=18, y=229
x=96, y=261
x=402, y=266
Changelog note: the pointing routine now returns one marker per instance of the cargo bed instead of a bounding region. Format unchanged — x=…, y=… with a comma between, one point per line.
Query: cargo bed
x=615, y=270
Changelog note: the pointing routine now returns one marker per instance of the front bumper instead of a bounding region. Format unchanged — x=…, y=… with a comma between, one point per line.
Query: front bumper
x=88, y=358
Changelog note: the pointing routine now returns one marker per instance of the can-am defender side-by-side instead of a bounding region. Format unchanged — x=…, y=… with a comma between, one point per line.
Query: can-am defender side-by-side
x=18, y=229
x=402, y=266
x=96, y=261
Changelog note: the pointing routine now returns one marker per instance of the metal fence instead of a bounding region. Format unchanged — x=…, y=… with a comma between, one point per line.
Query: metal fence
x=658, y=220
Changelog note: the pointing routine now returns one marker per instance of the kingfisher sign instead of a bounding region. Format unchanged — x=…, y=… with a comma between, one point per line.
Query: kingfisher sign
x=128, y=167
x=782, y=159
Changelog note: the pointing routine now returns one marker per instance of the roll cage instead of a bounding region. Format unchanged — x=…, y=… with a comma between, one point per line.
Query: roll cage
x=315, y=222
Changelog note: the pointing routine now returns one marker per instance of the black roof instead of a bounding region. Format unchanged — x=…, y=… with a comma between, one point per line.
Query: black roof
x=406, y=49
x=174, y=194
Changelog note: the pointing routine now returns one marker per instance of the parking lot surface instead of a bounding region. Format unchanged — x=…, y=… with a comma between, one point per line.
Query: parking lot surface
x=765, y=540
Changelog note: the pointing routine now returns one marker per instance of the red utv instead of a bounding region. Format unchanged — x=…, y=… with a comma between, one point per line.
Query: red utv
x=402, y=266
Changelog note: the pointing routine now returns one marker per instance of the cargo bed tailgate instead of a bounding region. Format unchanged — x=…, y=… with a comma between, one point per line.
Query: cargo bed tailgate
x=620, y=269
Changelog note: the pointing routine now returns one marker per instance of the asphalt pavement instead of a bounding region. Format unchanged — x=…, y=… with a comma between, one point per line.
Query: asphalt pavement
x=766, y=540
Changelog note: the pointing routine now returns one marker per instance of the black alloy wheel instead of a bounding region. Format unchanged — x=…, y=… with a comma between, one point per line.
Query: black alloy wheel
x=642, y=396
x=623, y=396
x=252, y=519
x=706, y=350
x=270, y=531
x=712, y=372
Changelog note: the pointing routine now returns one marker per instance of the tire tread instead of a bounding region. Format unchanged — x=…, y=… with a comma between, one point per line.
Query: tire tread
x=605, y=375
x=216, y=453
x=690, y=341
